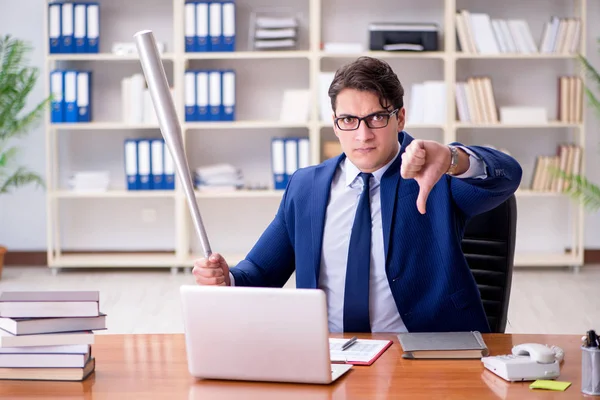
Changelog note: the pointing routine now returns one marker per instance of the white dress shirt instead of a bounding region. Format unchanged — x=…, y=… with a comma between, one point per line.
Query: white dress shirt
x=345, y=192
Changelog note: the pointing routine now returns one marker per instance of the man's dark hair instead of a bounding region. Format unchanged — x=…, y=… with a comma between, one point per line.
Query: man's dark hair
x=372, y=75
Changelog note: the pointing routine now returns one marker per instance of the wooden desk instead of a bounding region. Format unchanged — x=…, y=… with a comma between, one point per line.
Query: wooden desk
x=155, y=367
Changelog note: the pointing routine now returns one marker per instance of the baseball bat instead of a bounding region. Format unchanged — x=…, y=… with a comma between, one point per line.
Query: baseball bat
x=169, y=123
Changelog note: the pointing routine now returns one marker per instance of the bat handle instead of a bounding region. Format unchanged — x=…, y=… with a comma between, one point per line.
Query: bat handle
x=169, y=124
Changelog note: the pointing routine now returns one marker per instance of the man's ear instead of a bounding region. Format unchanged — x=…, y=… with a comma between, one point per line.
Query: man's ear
x=335, y=130
x=401, y=115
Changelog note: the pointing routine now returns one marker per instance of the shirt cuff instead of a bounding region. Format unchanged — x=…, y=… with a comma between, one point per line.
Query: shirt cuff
x=477, y=168
x=232, y=279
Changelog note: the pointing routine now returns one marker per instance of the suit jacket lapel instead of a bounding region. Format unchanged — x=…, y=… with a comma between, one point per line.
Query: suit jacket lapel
x=389, y=192
x=320, y=197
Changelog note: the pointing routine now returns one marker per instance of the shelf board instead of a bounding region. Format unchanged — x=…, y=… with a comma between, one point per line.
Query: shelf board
x=100, y=259
x=246, y=55
x=244, y=124
x=89, y=126
x=551, y=124
x=546, y=259
x=101, y=57
x=240, y=194
x=68, y=194
x=524, y=56
x=387, y=54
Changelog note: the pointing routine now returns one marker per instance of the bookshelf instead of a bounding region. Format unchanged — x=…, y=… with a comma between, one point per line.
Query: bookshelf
x=255, y=124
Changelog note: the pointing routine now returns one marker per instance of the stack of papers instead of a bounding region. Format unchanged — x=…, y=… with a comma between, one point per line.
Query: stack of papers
x=275, y=32
x=221, y=177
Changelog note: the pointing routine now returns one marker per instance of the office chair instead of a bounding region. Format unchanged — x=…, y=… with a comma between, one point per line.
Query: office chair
x=489, y=247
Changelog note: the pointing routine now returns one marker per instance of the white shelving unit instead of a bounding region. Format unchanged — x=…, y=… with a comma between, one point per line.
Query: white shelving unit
x=312, y=60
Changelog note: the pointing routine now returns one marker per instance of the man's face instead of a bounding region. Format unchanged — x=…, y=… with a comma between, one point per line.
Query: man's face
x=368, y=148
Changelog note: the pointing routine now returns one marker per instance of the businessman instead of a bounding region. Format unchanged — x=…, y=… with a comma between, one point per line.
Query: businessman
x=379, y=227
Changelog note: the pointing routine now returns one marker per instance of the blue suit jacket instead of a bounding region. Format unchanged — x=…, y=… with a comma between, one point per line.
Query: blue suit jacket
x=430, y=280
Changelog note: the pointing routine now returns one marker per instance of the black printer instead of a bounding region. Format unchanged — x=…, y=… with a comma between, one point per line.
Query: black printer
x=392, y=36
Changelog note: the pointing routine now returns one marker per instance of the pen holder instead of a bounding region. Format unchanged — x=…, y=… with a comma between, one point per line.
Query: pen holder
x=590, y=370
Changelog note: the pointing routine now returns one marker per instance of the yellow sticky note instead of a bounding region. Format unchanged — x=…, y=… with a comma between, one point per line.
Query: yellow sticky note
x=550, y=385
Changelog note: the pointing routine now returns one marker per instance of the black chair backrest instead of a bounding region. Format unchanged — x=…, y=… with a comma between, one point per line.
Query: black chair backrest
x=489, y=247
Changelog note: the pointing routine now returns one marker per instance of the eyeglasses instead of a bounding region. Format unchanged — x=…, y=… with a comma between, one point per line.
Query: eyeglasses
x=374, y=121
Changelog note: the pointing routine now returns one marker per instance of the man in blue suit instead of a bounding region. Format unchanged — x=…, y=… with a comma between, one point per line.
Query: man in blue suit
x=379, y=227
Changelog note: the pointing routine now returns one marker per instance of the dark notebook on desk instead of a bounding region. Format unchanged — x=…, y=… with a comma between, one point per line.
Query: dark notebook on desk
x=443, y=345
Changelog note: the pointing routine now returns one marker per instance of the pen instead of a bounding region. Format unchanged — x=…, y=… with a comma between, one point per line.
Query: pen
x=349, y=343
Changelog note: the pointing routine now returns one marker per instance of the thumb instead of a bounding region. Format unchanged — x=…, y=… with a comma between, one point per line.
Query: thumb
x=424, y=190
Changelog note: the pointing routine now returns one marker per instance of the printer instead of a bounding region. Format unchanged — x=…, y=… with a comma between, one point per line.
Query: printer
x=391, y=36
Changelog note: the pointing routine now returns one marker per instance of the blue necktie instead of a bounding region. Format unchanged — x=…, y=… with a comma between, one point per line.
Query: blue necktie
x=356, y=294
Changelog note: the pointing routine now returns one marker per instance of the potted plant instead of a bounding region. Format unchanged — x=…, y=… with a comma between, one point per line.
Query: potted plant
x=17, y=80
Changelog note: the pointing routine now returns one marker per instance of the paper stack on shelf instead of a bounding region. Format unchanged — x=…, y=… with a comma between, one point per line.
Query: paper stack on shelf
x=273, y=32
x=428, y=101
x=90, y=181
x=218, y=177
x=47, y=335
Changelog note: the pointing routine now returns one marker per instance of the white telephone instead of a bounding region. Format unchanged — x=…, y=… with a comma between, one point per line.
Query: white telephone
x=528, y=362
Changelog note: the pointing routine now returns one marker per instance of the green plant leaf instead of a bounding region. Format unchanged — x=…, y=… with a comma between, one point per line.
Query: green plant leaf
x=20, y=178
x=6, y=156
x=579, y=188
x=591, y=72
x=17, y=82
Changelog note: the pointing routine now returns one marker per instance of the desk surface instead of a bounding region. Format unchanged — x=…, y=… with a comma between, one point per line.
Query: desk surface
x=155, y=367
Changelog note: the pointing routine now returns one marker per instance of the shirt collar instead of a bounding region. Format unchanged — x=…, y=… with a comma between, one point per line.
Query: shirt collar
x=352, y=171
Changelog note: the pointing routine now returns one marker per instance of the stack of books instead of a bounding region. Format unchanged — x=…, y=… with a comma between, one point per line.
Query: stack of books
x=475, y=101
x=47, y=335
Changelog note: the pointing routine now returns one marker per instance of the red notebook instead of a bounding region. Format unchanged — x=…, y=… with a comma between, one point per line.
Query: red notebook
x=363, y=352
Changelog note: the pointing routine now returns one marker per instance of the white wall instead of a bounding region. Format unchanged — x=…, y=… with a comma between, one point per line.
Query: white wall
x=23, y=213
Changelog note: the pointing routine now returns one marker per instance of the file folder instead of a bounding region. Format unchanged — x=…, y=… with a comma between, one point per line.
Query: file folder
x=169, y=170
x=202, y=26
x=202, y=112
x=291, y=157
x=93, y=27
x=214, y=95
x=68, y=21
x=157, y=152
x=131, y=164
x=303, y=152
x=83, y=96
x=57, y=106
x=215, y=26
x=278, y=163
x=228, y=77
x=70, y=95
x=54, y=27
x=228, y=10
x=190, y=95
x=144, y=164
x=190, y=26
x=80, y=31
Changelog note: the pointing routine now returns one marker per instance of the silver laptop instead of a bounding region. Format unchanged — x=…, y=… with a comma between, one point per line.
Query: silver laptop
x=258, y=334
